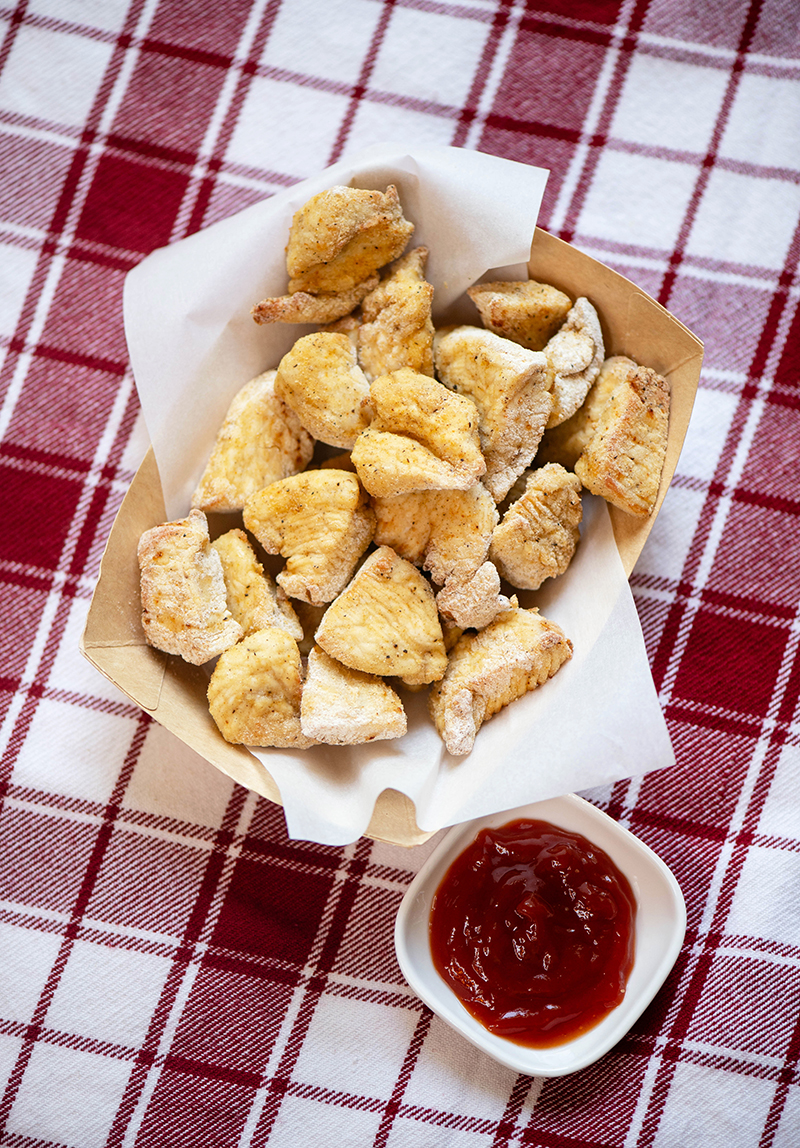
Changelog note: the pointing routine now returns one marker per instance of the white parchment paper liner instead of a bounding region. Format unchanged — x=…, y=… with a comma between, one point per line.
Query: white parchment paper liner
x=193, y=344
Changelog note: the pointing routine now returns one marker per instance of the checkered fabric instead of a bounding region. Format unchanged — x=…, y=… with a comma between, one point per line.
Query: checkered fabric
x=175, y=971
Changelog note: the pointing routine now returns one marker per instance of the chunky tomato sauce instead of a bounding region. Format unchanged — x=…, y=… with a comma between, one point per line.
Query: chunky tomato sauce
x=533, y=929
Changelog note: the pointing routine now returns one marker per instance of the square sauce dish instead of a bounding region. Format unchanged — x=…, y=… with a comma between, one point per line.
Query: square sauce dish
x=658, y=926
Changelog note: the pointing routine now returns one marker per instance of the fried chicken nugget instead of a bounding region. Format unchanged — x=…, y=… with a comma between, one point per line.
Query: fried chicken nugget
x=528, y=312
x=184, y=607
x=253, y=598
x=321, y=382
x=574, y=357
x=396, y=329
x=342, y=235
x=510, y=387
x=514, y=654
x=473, y=600
x=385, y=622
x=320, y=521
x=422, y=437
x=440, y=530
x=260, y=441
x=625, y=457
x=255, y=689
x=566, y=442
x=341, y=706
x=539, y=532
x=303, y=307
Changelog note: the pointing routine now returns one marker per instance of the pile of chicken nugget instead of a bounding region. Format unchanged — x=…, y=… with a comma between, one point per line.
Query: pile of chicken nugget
x=463, y=452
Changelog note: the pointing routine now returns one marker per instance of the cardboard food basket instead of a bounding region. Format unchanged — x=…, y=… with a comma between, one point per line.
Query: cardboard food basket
x=174, y=692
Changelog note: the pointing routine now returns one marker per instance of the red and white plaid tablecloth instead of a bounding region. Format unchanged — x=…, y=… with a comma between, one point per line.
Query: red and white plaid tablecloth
x=173, y=970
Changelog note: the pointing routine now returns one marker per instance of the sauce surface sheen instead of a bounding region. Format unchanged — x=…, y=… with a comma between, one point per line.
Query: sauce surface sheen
x=533, y=929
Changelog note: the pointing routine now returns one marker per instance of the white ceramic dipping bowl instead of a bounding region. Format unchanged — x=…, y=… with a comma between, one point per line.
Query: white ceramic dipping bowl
x=660, y=926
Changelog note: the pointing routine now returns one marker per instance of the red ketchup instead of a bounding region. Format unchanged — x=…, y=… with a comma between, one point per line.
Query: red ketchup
x=532, y=927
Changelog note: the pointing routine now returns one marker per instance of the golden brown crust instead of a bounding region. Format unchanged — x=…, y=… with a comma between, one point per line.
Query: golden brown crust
x=342, y=706
x=486, y=671
x=303, y=307
x=396, y=328
x=528, y=312
x=255, y=689
x=184, y=607
x=510, y=387
x=566, y=442
x=321, y=382
x=342, y=235
x=443, y=531
x=385, y=622
x=625, y=457
x=253, y=598
x=260, y=441
x=539, y=532
x=321, y=522
x=422, y=437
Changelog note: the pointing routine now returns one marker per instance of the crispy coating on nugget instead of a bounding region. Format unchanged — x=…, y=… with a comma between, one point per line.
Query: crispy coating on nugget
x=341, y=706
x=342, y=235
x=253, y=598
x=320, y=380
x=472, y=601
x=574, y=357
x=396, y=329
x=385, y=622
x=516, y=653
x=539, y=532
x=422, y=437
x=320, y=521
x=440, y=530
x=510, y=388
x=528, y=312
x=566, y=442
x=184, y=607
x=260, y=441
x=303, y=307
x=625, y=457
x=255, y=689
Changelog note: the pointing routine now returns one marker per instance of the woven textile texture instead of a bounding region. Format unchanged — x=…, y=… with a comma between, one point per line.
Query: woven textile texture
x=174, y=971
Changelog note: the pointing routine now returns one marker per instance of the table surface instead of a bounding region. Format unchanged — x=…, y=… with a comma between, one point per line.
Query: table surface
x=175, y=970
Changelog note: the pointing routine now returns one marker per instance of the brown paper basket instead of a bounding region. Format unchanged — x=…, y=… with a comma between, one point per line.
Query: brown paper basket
x=174, y=692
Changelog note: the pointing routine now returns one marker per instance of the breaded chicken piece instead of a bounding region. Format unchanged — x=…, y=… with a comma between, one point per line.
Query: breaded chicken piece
x=321, y=522
x=385, y=622
x=320, y=380
x=574, y=357
x=260, y=441
x=303, y=307
x=510, y=387
x=341, y=706
x=440, y=530
x=422, y=437
x=539, y=532
x=566, y=442
x=516, y=653
x=396, y=328
x=254, y=692
x=528, y=312
x=253, y=598
x=474, y=600
x=625, y=457
x=342, y=235
x=184, y=608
